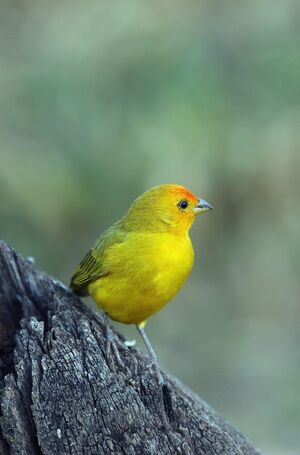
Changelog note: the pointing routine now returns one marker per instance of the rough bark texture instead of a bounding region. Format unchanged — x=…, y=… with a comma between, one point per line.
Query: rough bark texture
x=61, y=393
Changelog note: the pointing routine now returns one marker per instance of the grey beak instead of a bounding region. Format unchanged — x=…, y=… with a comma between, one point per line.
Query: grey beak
x=202, y=206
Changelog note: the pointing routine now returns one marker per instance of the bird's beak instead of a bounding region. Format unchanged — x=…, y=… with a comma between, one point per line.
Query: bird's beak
x=202, y=206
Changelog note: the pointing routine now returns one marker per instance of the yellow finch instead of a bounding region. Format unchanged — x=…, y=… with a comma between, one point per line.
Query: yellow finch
x=140, y=262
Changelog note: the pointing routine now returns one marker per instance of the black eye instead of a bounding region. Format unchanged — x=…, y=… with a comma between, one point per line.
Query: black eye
x=183, y=204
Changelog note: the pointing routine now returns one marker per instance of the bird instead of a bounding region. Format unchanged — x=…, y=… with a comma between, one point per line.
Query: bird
x=141, y=262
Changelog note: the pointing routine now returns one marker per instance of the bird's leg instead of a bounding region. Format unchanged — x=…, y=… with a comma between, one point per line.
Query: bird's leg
x=110, y=341
x=151, y=352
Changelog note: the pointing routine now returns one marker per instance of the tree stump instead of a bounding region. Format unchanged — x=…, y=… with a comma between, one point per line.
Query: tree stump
x=61, y=393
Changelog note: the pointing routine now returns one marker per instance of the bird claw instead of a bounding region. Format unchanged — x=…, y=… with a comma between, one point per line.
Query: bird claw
x=112, y=346
x=111, y=343
x=153, y=365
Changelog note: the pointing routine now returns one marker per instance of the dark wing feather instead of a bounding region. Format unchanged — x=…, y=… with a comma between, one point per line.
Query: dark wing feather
x=94, y=266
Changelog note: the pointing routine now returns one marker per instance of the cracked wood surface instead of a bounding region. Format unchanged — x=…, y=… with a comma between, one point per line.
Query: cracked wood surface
x=62, y=394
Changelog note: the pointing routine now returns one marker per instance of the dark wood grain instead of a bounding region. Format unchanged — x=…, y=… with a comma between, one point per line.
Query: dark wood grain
x=62, y=394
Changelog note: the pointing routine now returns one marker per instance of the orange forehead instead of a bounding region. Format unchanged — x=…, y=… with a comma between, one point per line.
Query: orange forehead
x=184, y=193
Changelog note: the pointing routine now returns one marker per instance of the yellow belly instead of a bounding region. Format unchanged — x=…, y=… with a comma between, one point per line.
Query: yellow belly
x=145, y=273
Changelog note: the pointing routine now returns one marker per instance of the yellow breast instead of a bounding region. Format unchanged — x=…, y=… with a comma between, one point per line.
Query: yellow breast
x=146, y=271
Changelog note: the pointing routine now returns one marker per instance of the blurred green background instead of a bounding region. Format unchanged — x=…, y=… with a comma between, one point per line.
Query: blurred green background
x=101, y=100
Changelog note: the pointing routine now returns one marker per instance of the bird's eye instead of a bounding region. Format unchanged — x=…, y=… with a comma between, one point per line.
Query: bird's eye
x=183, y=204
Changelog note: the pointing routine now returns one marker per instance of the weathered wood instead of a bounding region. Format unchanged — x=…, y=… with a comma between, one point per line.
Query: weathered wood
x=61, y=393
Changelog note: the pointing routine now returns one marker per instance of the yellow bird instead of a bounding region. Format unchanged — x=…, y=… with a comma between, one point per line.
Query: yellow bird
x=141, y=262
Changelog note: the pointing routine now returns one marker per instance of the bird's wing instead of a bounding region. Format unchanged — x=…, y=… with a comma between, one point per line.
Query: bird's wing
x=94, y=265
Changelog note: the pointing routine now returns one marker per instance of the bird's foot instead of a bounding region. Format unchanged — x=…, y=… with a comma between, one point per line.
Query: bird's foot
x=152, y=365
x=111, y=343
x=111, y=346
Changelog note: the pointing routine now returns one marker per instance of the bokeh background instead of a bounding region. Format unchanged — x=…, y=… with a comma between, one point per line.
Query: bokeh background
x=101, y=100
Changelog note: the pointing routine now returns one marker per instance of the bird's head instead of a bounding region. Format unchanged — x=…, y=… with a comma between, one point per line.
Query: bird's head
x=165, y=208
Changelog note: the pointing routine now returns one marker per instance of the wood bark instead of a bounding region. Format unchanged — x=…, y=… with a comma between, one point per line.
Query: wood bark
x=63, y=393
